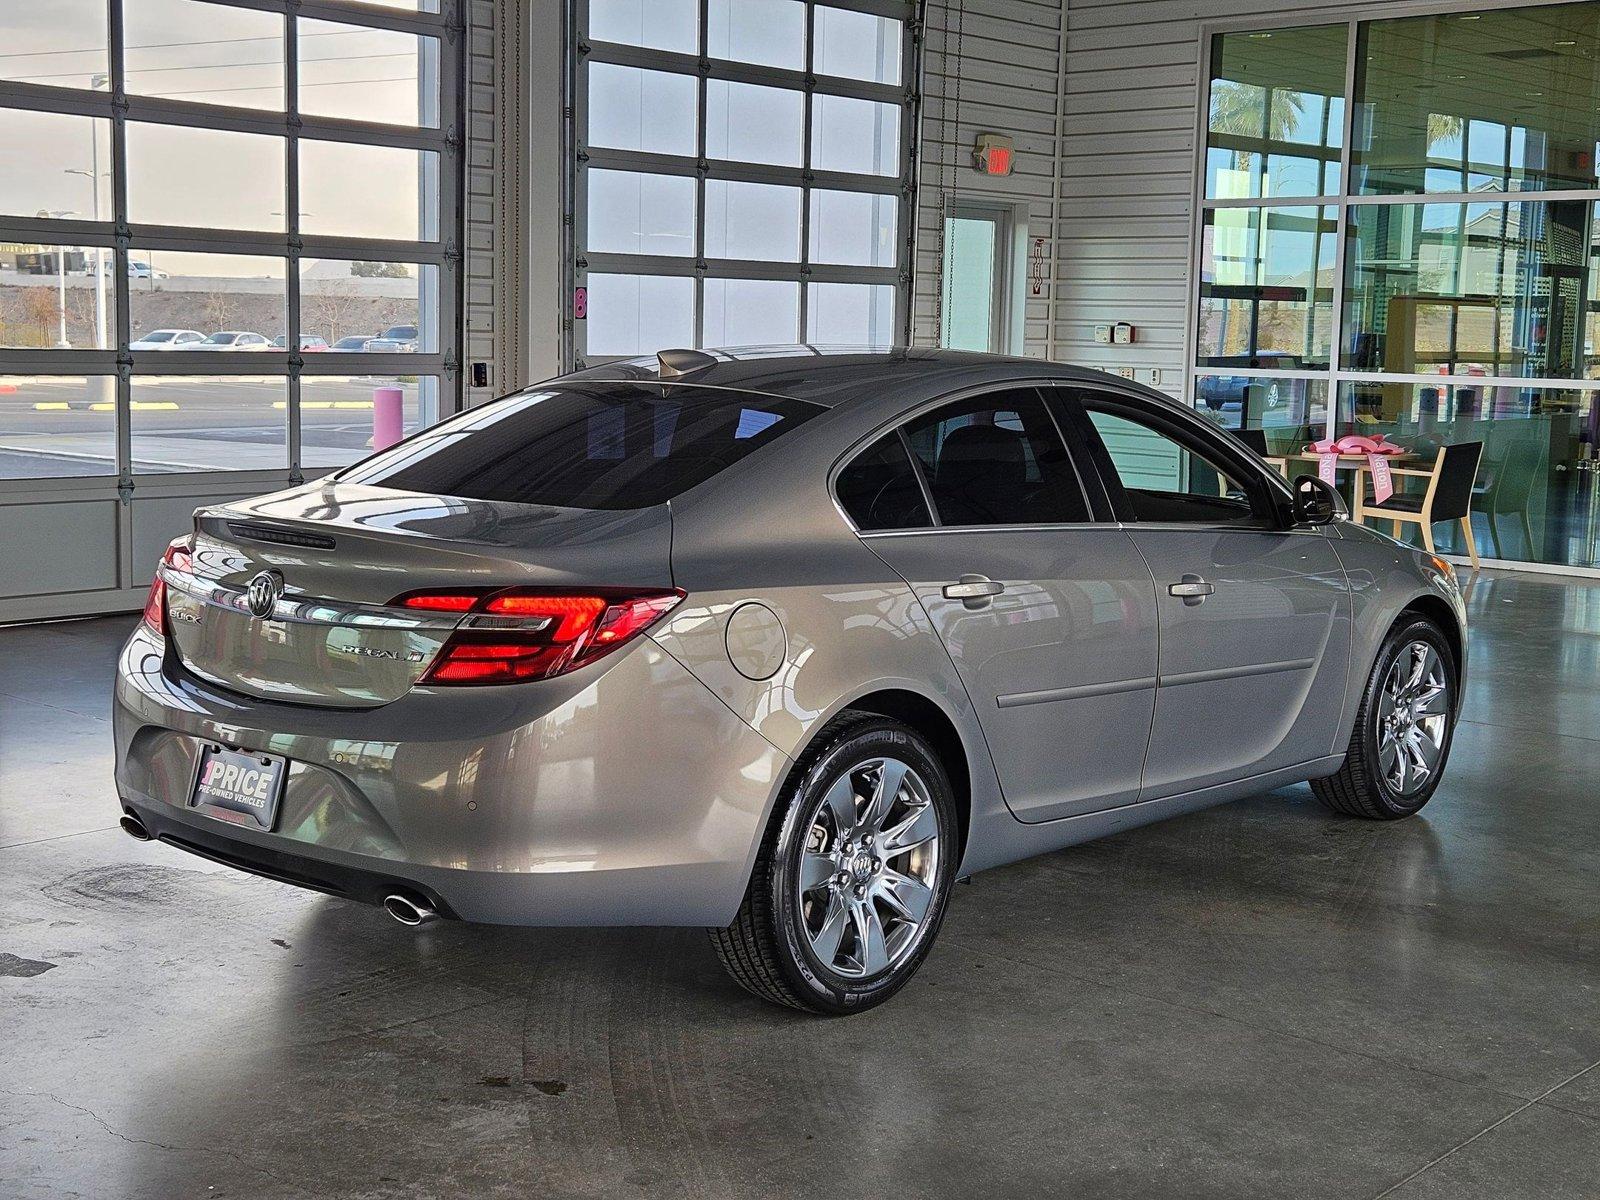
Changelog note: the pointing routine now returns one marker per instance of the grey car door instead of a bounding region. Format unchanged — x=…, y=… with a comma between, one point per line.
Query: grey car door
x=1048, y=615
x=1254, y=616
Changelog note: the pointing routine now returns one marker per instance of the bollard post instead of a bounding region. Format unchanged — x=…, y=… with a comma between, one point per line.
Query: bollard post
x=388, y=417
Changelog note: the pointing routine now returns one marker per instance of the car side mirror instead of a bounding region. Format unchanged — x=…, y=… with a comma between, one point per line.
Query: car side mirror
x=1316, y=502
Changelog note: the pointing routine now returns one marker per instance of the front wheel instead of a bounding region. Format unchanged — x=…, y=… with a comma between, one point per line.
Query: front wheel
x=1403, y=730
x=851, y=883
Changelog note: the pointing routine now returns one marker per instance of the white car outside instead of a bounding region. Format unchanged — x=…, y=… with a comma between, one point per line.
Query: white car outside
x=232, y=339
x=167, y=339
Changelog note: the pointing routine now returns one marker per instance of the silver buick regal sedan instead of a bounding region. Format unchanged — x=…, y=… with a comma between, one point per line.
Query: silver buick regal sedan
x=779, y=642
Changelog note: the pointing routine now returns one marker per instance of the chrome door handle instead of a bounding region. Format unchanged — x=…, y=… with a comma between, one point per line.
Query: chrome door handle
x=973, y=590
x=1192, y=590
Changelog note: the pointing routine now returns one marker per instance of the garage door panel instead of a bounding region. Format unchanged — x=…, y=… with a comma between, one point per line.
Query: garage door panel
x=68, y=546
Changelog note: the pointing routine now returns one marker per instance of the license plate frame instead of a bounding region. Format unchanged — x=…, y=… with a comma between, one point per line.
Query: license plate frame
x=250, y=796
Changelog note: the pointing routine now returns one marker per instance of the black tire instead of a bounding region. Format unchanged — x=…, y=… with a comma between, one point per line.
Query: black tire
x=767, y=950
x=1360, y=788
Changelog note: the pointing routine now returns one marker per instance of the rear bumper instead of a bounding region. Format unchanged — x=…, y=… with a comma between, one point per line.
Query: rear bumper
x=624, y=794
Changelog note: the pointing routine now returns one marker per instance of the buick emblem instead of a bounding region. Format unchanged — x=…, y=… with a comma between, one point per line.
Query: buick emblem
x=263, y=592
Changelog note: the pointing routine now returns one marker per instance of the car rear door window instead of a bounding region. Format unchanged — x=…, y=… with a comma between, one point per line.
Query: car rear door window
x=878, y=489
x=600, y=445
x=997, y=460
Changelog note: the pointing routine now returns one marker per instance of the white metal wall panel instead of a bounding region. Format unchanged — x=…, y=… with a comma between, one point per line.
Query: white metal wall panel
x=514, y=302
x=484, y=236
x=989, y=66
x=491, y=227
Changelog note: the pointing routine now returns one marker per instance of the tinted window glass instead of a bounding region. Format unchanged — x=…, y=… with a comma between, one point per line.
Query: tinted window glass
x=997, y=460
x=1165, y=479
x=879, y=489
x=600, y=446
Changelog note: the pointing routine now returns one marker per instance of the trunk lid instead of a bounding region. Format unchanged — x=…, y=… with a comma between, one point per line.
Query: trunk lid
x=344, y=551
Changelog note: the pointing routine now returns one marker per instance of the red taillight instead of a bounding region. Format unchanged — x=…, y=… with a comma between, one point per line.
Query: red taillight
x=176, y=556
x=526, y=633
x=574, y=615
x=440, y=601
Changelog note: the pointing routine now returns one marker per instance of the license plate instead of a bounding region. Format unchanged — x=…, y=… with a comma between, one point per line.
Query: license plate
x=237, y=786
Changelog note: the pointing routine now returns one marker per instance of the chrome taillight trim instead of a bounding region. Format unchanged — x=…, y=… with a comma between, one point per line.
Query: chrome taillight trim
x=294, y=609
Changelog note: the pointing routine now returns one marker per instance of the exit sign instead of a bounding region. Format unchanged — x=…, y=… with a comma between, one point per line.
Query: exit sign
x=994, y=154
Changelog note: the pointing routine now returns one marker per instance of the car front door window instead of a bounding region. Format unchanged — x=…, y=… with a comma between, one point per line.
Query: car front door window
x=1166, y=479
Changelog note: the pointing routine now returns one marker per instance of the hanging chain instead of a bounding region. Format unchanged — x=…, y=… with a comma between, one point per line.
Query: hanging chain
x=949, y=172
x=950, y=123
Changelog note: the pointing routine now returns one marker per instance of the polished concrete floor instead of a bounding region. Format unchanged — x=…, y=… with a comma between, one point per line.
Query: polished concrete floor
x=1262, y=1000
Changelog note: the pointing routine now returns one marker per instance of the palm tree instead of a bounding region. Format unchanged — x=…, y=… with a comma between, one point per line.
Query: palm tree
x=1236, y=108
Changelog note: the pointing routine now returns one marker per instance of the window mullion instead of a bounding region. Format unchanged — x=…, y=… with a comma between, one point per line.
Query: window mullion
x=1330, y=411
x=701, y=167
x=291, y=209
x=803, y=313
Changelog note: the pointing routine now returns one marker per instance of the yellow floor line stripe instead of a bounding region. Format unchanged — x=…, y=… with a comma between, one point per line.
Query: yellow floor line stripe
x=51, y=406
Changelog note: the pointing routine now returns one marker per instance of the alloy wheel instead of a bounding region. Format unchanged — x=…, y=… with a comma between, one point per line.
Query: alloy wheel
x=1413, y=718
x=868, y=868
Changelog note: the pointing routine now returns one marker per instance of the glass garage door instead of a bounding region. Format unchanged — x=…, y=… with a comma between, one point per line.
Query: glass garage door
x=743, y=173
x=228, y=262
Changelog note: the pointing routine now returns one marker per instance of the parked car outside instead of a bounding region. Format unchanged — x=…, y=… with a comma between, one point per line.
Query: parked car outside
x=777, y=643
x=355, y=343
x=1226, y=392
x=137, y=268
x=397, y=339
x=309, y=342
x=166, y=339
x=232, y=339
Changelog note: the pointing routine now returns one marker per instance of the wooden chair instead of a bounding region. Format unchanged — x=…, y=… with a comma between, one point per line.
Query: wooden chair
x=1447, y=498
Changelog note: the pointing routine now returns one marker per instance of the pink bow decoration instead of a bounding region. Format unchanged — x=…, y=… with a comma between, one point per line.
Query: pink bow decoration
x=1355, y=444
x=1376, y=449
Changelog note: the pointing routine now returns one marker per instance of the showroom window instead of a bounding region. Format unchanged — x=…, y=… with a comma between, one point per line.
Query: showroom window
x=742, y=173
x=227, y=238
x=1398, y=234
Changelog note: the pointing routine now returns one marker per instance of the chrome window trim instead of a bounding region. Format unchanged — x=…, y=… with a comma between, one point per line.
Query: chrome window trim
x=1048, y=527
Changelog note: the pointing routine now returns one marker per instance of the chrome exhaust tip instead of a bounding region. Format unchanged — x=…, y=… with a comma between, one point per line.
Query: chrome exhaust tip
x=134, y=828
x=407, y=911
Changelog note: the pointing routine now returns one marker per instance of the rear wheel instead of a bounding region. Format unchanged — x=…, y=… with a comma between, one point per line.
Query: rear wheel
x=1403, y=730
x=850, y=886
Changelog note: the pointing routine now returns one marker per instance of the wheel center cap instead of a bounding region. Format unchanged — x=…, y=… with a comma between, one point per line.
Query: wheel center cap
x=860, y=867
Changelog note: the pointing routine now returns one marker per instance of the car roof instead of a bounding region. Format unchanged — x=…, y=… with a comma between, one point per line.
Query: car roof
x=832, y=375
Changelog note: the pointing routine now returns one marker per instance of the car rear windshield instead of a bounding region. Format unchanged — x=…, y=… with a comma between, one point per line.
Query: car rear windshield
x=608, y=445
